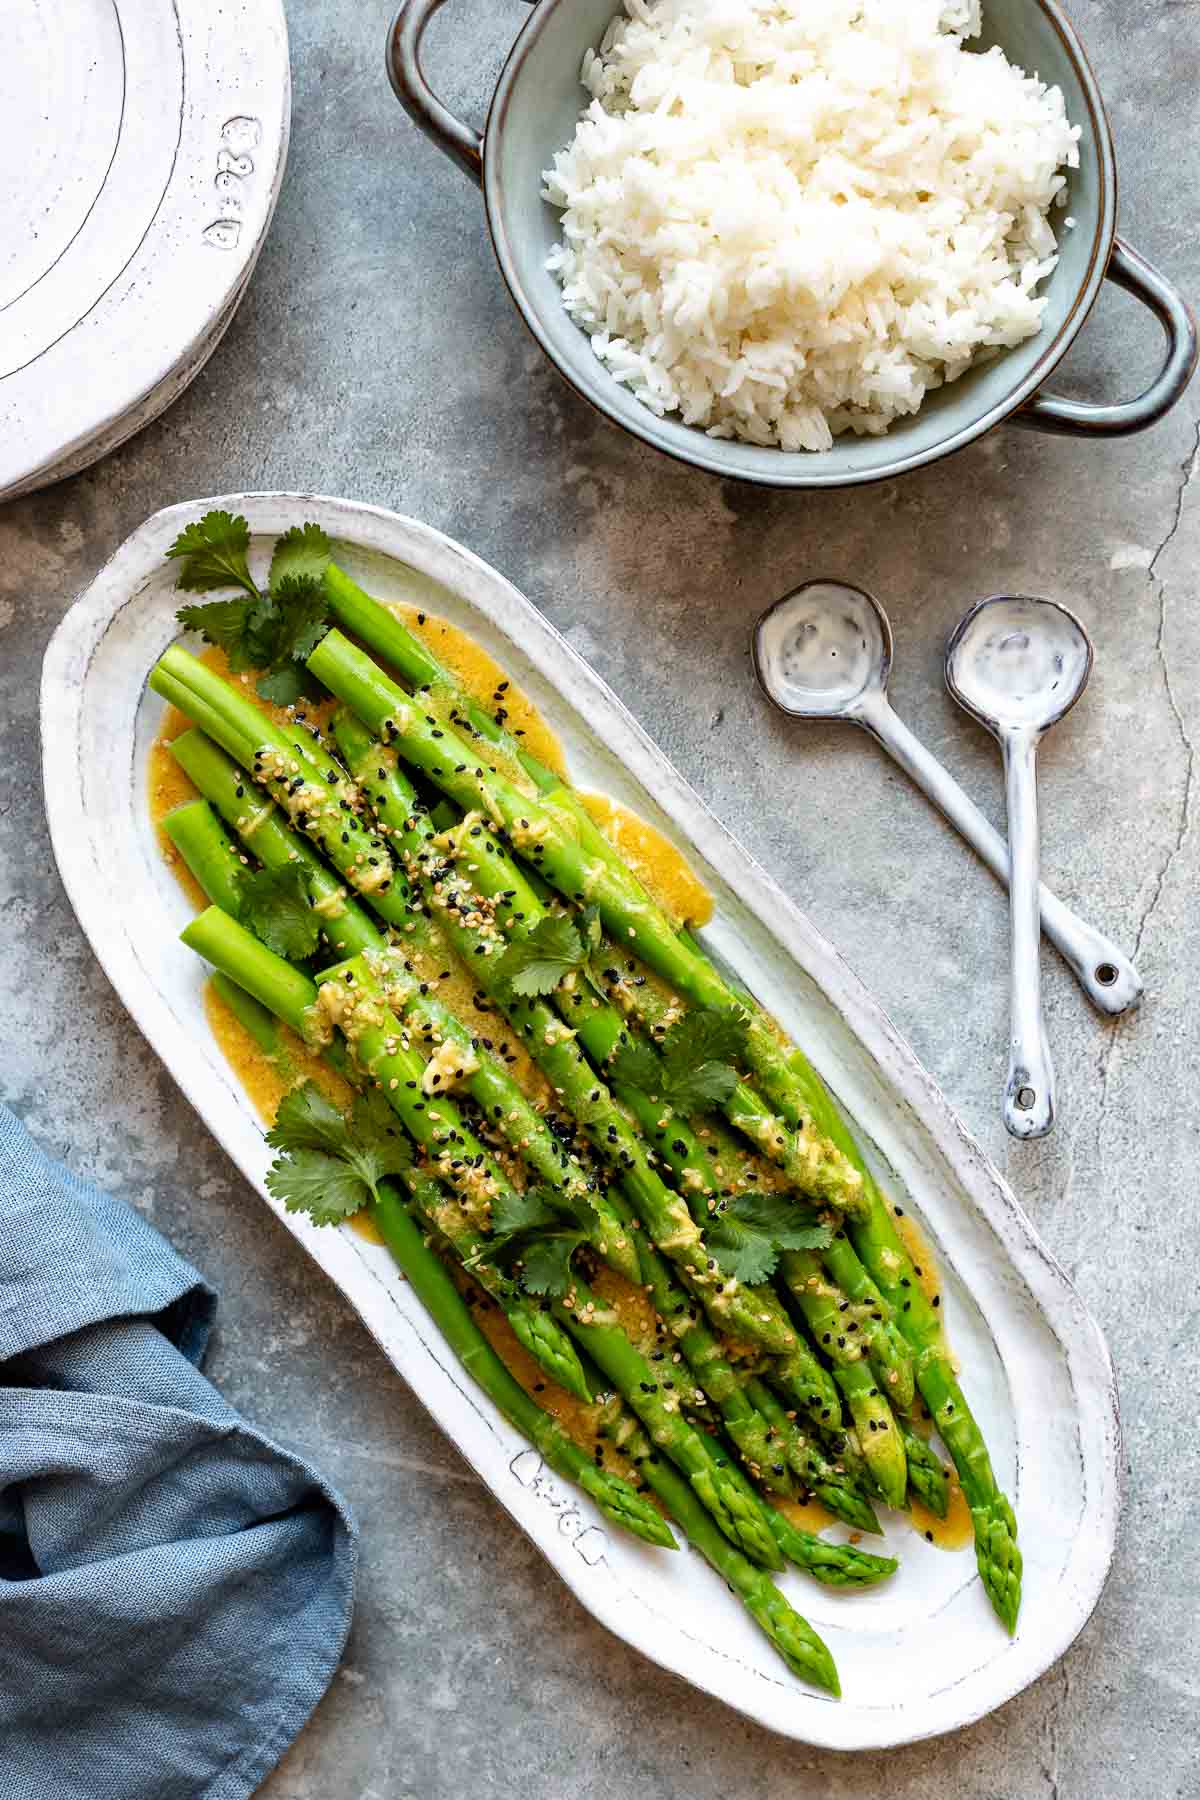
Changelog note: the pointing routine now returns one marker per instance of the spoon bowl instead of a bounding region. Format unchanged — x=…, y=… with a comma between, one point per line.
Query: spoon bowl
x=1018, y=663
x=822, y=650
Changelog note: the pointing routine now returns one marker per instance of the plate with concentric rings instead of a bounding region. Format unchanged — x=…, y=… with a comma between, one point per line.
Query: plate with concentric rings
x=144, y=143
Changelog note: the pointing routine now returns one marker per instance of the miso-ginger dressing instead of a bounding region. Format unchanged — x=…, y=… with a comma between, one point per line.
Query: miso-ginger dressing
x=484, y=679
x=656, y=862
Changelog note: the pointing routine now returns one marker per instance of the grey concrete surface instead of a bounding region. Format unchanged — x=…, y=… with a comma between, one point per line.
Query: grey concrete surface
x=376, y=356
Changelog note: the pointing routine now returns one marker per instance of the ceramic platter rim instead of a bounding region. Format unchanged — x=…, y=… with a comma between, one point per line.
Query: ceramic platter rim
x=1054, y=1390
x=127, y=310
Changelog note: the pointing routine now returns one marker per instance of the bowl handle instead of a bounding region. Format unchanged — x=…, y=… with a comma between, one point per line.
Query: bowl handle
x=1076, y=418
x=460, y=142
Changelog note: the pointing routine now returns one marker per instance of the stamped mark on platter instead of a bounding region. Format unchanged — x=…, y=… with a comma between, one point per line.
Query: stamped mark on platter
x=240, y=136
x=588, y=1540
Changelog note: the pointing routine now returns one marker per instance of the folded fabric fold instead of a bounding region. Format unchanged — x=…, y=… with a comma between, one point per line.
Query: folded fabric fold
x=175, y=1589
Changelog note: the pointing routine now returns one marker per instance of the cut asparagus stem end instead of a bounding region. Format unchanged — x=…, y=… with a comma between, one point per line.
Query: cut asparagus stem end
x=231, y=949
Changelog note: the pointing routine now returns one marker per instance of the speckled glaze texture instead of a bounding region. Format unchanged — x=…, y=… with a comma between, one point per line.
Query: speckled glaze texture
x=377, y=353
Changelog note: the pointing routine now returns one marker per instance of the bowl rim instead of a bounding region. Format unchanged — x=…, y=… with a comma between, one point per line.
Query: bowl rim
x=799, y=468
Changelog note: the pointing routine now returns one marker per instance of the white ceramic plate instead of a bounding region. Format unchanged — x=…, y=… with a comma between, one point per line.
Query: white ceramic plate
x=919, y=1656
x=144, y=142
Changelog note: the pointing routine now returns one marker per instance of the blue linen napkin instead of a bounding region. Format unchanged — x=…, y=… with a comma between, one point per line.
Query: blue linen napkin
x=175, y=1589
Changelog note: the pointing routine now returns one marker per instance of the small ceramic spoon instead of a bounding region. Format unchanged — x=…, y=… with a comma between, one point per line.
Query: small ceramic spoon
x=825, y=652
x=1017, y=664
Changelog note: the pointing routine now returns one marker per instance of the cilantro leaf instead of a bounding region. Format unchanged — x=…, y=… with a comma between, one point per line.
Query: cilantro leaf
x=530, y=1211
x=638, y=1066
x=225, y=623
x=286, y=686
x=749, y=1230
x=536, y=963
x=546, y=1261
x=246, y=630
x=303, y=550
x=539, y=1230
x=705, y=1034
x=699, y=1089
x=303, y=616
x=298, y=620
x=213, y=554
x=331, y=1164
x=696, y=1069
x=323, y=1186
x=306, y=1120
x=276, y=907
x=377, y=1125
x=275, y=632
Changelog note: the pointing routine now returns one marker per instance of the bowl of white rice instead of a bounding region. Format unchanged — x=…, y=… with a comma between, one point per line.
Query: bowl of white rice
x=805, y=243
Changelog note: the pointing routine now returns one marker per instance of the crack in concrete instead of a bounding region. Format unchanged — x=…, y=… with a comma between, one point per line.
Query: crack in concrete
x=1050, y=1762
x=1187, y=471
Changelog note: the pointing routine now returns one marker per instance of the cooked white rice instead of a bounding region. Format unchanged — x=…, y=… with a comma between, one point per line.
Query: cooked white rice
x=784, y=219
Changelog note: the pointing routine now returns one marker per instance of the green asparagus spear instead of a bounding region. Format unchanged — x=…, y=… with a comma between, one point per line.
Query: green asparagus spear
x=835, y=1565
x=829, y=1482
x=203, y=842
x=293, y=997
x=926, y=1474
x=615, y=1497
x=835, y=1330
x=656, y=1399
x=794, y=1638
x=887, y=1259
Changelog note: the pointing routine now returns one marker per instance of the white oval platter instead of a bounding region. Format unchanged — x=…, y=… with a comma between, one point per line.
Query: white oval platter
x=919, y=1656
x=145, y=142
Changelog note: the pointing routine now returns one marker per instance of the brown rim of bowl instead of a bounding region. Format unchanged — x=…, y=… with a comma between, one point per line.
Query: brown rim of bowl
x=797, y=474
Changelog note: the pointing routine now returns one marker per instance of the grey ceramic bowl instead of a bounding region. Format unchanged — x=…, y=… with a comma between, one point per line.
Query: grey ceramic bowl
x=533, y=114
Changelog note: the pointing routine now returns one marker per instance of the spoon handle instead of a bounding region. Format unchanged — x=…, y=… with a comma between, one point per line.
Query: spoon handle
x=1105, y=973
x=1029, y=1090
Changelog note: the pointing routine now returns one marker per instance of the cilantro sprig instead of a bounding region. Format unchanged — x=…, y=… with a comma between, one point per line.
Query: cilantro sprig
x=536, y=1233
x=213, y=552
x=276, y=906
x=556, y=947
x=331, y=1163
x=748, y=1232
x=273, y=631
x=695, y=1067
